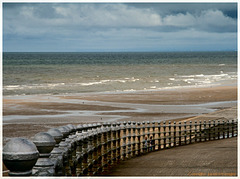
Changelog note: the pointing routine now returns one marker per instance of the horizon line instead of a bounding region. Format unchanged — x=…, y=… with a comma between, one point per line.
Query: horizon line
x=119, y=51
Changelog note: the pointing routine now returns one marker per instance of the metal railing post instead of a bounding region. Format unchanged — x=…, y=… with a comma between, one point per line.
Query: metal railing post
x=139, y=139
x=185, y=132
x=190, y=132
x=205, y=128
x=169, y=134
x=118, y=142
x=124, y=146
x=200, y=131
x=232, y=128
x=148, y=135
x=133, y=138
x=114, y=145
x=129, y=149
x=180, y=133
x=153, y=142
x=109, y=145
x=196, y=132
x=214, y=130
x=144, y=138
x=209, y=130
x=174, y=134
x=218, y=129
x=164, y=133
x=223, y=128
x=159, y=136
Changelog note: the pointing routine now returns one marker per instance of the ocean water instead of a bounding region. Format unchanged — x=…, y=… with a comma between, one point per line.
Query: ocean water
x=67, y=73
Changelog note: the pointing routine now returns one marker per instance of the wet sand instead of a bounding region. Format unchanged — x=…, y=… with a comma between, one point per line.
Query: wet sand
x=44, y=108
x=168, y=97
x=24, y=116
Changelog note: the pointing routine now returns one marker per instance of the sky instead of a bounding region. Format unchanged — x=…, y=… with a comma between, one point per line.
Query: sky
x=119, y=27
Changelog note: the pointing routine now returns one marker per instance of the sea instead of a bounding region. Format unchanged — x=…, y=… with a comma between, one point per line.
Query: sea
x=110, y=72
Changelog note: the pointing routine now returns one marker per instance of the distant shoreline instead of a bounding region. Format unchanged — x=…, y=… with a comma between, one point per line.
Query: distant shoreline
x=180, y=51
x=228, y=84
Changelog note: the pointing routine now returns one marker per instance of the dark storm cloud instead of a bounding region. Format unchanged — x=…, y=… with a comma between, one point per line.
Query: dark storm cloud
x=228, y=9
x=91, y=26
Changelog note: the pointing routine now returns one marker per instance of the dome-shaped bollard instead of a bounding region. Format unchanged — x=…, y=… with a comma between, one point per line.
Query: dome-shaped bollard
x=72, y=136
x=64, y=131
x=68, y=138
x=72, y=152
x=19, y=156
x=45, y=144
x=79, y=128
x=67, y=150
x=57, y=153
x=72, y=128
x=63, y=145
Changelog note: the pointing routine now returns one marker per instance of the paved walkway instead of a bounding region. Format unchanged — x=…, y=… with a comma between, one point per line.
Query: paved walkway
x=213, y=158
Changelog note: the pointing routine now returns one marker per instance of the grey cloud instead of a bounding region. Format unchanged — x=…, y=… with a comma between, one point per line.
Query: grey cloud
x=209, y=20
x=229, y=9
x=82, y=26
x=44, y=11
x=113, y=15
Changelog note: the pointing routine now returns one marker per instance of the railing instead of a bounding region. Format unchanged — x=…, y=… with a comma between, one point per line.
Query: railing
x=93, y=149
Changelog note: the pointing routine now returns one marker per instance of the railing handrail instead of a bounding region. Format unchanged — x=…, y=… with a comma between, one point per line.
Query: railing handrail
x=92, y=149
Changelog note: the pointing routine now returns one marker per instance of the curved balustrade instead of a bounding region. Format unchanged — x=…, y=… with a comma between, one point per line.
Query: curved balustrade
x=93, y=149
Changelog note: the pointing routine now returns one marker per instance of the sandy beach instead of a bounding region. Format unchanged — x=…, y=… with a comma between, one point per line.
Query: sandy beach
x=24, y=116
x=81, y=63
